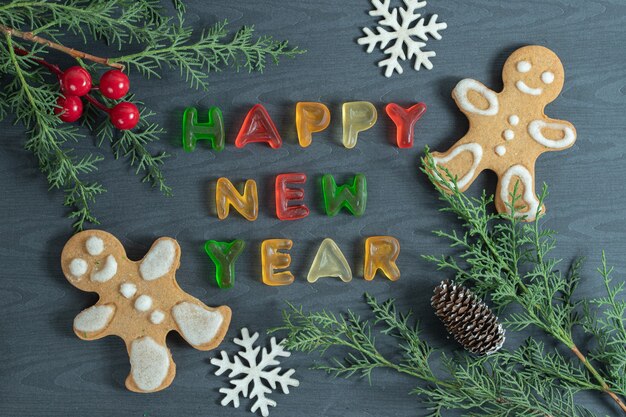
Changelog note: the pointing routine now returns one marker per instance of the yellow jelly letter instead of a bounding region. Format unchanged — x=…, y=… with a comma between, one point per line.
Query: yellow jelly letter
x=357, y=117
x=311, y=117
x=226, y=195
x=381, y=253
x=329, y=262
x=272, y=258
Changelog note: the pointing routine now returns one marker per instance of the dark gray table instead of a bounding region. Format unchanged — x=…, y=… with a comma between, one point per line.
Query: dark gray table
x=46, y=370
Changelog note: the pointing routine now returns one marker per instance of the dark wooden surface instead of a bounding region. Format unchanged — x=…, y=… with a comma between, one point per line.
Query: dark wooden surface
x=45, y=370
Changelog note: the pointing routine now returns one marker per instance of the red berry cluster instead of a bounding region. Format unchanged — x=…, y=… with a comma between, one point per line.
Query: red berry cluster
x=76, y=83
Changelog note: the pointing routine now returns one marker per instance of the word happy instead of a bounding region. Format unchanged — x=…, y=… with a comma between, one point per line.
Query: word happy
x=311, y=117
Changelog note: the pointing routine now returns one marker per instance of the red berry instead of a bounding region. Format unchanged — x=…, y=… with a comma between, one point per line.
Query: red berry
x=76, y=81
x=114, y=84
x=124, y=115
x=69, y=109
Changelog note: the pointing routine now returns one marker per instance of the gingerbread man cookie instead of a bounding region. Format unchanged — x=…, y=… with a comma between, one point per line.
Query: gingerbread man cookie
x=509, y=130
x=140, y=302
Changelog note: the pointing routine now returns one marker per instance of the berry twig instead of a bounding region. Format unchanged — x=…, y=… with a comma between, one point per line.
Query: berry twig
x=29, y=36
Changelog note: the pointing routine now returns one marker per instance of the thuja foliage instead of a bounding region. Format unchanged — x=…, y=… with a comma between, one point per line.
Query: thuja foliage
x=506, y=260
x=148, y=40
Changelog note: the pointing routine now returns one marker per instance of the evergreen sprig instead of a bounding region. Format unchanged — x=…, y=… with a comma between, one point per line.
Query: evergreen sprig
x=29, y=93
x=507, y=261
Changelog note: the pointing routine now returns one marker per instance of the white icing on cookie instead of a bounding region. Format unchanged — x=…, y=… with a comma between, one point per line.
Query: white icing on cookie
x=460, y=94
x=128, y=289
x=143, y=303
x=94, y=245
x=547, y=77
x=514, y=119
x=508, y=134
x=157, y=317
x=197, y=325
x=477, y=154
x=524, y=66
x=500, y=150
x=521, y=86
x=94, y=318
x=78, y=267
x=149, y=363
x=536, y=126
x=107, y=272
x=526, y=179
x=158, y=261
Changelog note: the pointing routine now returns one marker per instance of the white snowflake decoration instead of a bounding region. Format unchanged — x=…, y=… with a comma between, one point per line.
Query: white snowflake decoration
x=254, y=373
x=401, y=35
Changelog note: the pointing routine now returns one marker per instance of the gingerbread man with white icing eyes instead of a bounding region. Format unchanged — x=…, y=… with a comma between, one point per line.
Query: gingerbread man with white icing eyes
x=509, y=130
x=140, y=302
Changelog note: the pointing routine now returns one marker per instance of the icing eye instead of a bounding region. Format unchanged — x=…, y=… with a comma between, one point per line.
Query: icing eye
x=547, y=77
x=523, y=66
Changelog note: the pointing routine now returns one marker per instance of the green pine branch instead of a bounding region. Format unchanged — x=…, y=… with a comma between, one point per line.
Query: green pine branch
x=29, y=92
x=506, y=261
x=196, y=60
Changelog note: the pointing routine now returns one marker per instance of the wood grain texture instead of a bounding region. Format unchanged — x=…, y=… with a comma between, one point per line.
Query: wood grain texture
x=46, y=370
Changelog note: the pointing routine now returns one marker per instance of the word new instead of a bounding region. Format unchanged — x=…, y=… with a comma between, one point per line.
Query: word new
x=381, y=253
x=311, y=117
x=289, y=198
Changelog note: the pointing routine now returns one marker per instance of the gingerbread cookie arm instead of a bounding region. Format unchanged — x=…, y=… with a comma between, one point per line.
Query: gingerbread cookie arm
x=463, y=161
x=488, y=105
x=92, y=323
x=151, y=365
x=528, y=205
x=554, y=135
x=202, y=327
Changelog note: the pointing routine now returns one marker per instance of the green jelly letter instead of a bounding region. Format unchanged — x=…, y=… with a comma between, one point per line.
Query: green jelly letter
x=352, y=197
x=212, y=130
x=224, y=255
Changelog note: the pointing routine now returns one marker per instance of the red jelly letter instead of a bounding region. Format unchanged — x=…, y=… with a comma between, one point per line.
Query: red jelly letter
x=285, y=194
x=405, y=121
x=258, y=127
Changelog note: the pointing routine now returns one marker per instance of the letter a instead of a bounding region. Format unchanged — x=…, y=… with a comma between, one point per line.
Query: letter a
x=258, y=127
x=329, y=262
x=226, y=195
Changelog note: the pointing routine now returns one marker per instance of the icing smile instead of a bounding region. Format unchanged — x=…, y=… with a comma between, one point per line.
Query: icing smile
x=524, y=88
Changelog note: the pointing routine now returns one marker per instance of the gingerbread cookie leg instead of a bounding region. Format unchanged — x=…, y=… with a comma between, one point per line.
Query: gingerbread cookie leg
x=524, y=179
x=462, y=162
x=151, y=365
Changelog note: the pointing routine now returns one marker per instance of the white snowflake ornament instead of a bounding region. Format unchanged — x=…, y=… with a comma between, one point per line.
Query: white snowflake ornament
x=402, y=34
x=254, y=373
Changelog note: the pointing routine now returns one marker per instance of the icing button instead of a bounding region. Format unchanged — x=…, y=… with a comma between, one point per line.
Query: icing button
x=143, y=303
x=514, y=119
x=128, y=290
x=500, y=150
x=508, y=134
x=157, y=317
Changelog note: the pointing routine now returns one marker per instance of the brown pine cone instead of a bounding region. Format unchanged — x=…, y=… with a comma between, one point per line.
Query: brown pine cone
x=467, y=318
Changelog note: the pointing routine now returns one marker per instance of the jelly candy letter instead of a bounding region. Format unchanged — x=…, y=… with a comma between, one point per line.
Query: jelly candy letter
x=224, y=255
x=226, y=195
x=311, y=117
x=212, y=130
x=272, y=258
x=329, y=262
x=352, y=197
x=285, y=194
x=381, y=253
x=405, y=120
x=357, y=117
x=258, y=127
